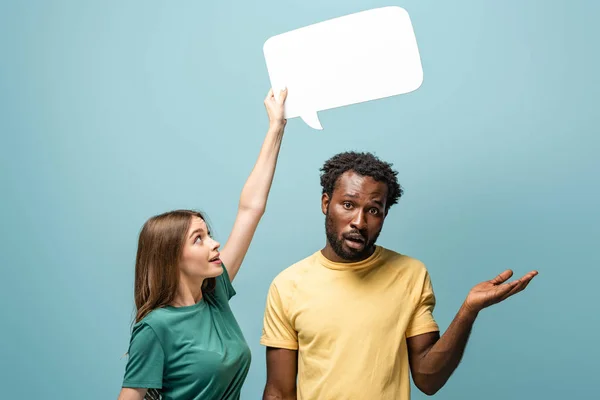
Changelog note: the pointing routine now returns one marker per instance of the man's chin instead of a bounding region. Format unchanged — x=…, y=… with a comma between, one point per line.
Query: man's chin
x=353, y=255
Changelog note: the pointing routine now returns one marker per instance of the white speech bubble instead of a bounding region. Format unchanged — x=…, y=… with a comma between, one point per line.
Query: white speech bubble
x=347, y=60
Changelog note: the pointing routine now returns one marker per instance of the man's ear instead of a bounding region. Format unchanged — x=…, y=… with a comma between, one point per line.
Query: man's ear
x=324, y=203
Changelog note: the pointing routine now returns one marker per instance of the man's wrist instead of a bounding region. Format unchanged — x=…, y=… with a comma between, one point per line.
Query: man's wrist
x=466, y=313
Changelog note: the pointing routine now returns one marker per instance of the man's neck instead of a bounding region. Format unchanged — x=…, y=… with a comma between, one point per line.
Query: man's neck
x=332, y=256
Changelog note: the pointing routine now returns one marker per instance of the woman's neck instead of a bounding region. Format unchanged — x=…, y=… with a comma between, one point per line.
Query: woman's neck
x=188, y=293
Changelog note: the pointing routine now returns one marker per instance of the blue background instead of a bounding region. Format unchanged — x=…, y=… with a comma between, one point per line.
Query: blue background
x=113, y=111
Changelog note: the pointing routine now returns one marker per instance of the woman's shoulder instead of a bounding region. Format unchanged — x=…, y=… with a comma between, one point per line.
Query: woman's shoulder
x=156, y=321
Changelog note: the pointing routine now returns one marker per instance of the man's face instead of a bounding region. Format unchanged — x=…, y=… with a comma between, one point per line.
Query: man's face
x=354, y=216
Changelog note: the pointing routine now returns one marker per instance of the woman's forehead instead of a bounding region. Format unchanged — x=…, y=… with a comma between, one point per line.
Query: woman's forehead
x=197, y=223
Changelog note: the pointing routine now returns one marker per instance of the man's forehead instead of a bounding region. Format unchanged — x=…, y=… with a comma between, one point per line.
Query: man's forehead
x=352, y=184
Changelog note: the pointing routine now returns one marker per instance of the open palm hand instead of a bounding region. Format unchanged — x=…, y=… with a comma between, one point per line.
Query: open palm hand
x=496, y=290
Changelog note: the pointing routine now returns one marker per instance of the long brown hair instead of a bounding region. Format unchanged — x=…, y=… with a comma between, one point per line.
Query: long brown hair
x=160, y=246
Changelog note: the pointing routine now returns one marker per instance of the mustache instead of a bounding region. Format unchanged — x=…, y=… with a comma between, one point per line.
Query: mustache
x=355, y=235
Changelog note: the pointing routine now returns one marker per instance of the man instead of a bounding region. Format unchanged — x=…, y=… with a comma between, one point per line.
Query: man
x=354, y=319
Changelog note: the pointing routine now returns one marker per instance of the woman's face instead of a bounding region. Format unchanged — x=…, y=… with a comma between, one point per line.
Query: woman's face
x=200, y=256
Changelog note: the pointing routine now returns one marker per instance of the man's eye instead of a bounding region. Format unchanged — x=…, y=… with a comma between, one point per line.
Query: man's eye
x=347, y=205
x=374, y=211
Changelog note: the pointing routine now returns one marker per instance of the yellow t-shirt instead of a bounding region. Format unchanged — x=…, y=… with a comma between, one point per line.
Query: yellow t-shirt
x=349, y=323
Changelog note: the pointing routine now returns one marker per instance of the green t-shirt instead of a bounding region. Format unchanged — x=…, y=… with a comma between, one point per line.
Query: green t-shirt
x=194, y=352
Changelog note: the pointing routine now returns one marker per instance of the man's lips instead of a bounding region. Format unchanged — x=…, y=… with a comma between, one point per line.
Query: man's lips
x=355, y=238
x=354, y=241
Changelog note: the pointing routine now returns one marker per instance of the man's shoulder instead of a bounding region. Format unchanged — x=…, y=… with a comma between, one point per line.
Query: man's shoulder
x=403, y=261
x=401, y=258
x=295, y=271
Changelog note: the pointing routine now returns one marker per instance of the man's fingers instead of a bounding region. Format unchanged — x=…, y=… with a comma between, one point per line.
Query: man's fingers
x=527, y=279
x=525, y=285
x=530, y=275
x=500, y=292
x=518, y=287
x=502, y=277
x=523, y=282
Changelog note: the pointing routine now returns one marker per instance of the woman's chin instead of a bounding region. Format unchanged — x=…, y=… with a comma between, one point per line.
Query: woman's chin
x=215, y=270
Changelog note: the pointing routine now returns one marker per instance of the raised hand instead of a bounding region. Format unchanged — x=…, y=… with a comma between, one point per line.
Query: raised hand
x=496, y=290
x=275, y=108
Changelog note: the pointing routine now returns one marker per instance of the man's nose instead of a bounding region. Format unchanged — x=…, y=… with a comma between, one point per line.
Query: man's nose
x=359, y=221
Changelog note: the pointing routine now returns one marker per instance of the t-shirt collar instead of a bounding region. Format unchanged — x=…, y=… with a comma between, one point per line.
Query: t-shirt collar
x=355, y=266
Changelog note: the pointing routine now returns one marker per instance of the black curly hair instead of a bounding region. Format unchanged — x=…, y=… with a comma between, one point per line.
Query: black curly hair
x=365, y=164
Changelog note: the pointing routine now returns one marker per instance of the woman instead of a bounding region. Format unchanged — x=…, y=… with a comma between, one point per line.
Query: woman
x=186, y=343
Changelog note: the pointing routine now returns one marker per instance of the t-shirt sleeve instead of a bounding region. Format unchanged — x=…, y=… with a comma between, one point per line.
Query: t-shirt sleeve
x=277, y=327
x=146, y=359
x=224, y=285
x=422, y=320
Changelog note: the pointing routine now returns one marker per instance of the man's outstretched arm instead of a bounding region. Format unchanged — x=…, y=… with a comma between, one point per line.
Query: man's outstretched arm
x=282, y=370
x=433, y=358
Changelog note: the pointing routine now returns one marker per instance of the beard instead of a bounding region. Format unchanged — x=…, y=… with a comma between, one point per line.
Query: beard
x=337, y=243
